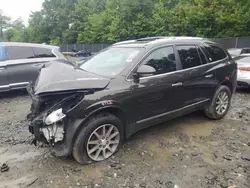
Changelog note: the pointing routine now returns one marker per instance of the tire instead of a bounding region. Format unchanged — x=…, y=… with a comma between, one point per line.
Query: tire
x=215, y=110
x=82, y=147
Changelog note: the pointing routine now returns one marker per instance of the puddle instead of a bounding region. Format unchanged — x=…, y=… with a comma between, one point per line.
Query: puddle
x=197, y=129
x=17, y=183
x=12, y=157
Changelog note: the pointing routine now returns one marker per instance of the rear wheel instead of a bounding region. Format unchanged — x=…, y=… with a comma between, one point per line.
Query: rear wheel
x=220, y=103
x=99, y=139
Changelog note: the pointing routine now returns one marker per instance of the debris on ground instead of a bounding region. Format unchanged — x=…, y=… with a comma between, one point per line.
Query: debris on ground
x=4, y=167
x=187, y=152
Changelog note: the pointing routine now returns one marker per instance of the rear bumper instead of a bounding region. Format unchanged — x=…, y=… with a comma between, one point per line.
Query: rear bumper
x=243, y=82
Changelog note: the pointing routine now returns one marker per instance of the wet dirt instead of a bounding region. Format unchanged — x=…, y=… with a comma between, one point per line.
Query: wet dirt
x=188, y=152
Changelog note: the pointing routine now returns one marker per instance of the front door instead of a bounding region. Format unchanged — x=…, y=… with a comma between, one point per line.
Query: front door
x=23, y=66
x=156, y=94
x=4, y=86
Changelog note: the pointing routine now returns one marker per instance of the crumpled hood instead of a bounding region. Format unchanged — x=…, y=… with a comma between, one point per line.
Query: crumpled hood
x=61, y=77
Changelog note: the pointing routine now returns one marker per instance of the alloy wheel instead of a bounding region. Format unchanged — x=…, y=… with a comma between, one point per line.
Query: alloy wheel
x=222, y=103
x=103, y=142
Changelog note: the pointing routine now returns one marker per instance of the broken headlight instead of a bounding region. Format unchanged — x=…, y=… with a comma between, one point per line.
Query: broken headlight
x=54, y=117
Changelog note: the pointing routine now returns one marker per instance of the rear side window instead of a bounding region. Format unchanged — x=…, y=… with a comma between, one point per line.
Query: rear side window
x=215, y=53
x=162, y=60
x=189, y=56
x=20, y=52
x=43, y=52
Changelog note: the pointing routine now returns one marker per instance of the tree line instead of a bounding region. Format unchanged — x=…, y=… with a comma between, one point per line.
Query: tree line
x=107, y=21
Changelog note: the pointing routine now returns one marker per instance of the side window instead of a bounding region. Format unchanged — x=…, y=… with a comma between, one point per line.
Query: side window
x=43, y=52
x=20, y=52
x=189, y=56
x=163, y=60
x=206, y=53
x=215, y=53
x=202, y=56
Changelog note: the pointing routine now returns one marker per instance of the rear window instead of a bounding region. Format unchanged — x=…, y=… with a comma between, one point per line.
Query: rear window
x=245, y=51
x=20, y=52
x=215, y=53
x=43, y=52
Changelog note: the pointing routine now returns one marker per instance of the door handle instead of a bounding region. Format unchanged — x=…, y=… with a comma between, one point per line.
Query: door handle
x=209, y=76
x=177, y=84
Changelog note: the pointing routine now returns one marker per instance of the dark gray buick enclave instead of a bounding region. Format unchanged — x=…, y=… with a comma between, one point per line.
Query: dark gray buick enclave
x=88, y=111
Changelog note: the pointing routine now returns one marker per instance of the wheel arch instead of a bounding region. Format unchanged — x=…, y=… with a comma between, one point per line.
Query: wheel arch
x=114, y=110
x=228, y=84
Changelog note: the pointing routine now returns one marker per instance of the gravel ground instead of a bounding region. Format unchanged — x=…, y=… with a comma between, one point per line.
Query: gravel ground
x=188, y=152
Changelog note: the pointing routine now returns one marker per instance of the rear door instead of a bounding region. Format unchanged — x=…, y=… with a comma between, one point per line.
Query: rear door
x=225, y=67
x=4, y=86
x=198, y=77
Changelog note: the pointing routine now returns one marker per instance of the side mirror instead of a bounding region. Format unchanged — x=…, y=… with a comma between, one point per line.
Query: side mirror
x=143, y=71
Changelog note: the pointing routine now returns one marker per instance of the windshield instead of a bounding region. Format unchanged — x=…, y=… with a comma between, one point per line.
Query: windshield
x=111, y=61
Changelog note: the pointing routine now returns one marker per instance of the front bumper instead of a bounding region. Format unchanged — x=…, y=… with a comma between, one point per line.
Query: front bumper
x=61, y=148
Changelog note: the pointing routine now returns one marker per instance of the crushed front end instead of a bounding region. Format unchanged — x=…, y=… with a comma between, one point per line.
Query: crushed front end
x=48, y=118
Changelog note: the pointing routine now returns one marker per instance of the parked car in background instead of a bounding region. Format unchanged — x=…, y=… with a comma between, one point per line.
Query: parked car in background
x=20, y=63
x=88, y=111
x=81, y=53
x=237, y=52
x=83, y=60
x=243, y=79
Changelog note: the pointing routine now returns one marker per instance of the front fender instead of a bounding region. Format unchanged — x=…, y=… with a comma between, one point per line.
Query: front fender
x=84, y=111
x=75, y=124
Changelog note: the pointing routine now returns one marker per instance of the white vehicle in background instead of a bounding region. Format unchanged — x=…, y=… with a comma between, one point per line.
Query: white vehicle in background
x=243, y=78
x=239, y=52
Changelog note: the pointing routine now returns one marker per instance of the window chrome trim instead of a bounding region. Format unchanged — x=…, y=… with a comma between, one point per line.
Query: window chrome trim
x=18, y=84
x=178, y=71
x=170, y=112
x=4, y=86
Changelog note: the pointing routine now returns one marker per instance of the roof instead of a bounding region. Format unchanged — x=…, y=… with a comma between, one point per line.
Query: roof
x=27, y=44
x=151, y=41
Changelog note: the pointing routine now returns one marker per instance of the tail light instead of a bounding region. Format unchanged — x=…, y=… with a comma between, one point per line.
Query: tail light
x=244, y=68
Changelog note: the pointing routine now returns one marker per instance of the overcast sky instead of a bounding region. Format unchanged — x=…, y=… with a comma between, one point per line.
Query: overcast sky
x=20, y=8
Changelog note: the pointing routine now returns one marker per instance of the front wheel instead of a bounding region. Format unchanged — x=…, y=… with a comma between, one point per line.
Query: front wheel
x=220, y=103
x=99, y=139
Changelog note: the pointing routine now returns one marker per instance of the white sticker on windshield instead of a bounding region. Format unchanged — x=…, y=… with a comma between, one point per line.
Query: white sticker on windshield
x=132, y=56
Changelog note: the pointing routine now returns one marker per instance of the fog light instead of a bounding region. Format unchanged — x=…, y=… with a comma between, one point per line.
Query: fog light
x=54, y=117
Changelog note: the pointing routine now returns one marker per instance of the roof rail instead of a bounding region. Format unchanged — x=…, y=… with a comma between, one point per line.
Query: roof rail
x=124, y=42
x=151, y=38
x=185, y=37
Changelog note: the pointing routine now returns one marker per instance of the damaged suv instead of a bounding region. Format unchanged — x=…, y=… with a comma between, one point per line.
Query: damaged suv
x=88, y=111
